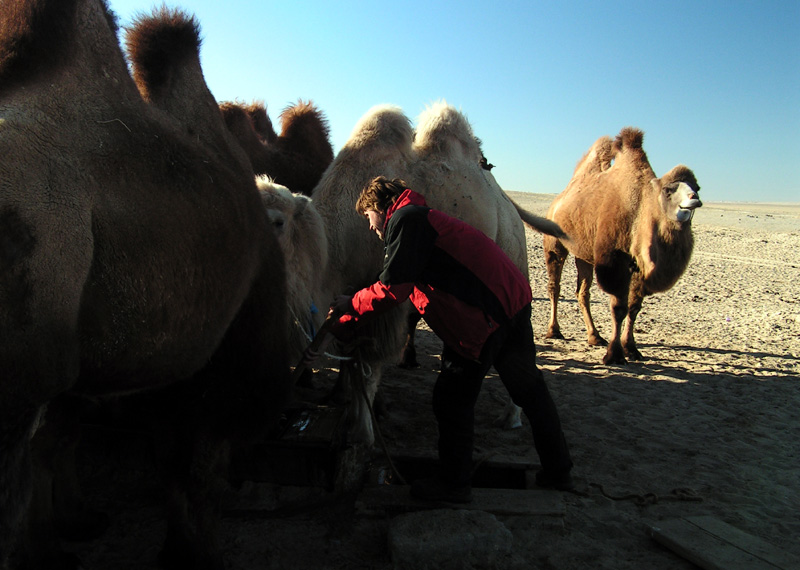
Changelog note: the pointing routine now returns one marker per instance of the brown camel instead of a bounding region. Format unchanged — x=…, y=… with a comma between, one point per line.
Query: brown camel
x=134, y=257
x=295, y=159
x=633, y=228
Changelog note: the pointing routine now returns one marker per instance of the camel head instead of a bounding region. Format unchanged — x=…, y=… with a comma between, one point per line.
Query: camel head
x=297, y=225
x=678, y=194
x=280, y=205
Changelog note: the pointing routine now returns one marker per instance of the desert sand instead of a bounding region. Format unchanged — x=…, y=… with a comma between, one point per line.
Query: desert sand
x=706, y=425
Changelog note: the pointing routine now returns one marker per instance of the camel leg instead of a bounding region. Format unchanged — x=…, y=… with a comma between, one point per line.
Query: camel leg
x=409, y=355
x=585, y=278
x=16, y=428
x=634, y=306
x=53, y=476
x=619, y=312
x=191, y=465
x=361, y=428
x=555, y=254
x=74, y=521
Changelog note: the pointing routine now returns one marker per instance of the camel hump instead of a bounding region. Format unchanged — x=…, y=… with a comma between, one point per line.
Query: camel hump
x=382, y=125
x=681, y=173
x=440, y=126
x=261, y=121
x=304, y=125
x=36, y=36
x=164, y=50
x=629, y=138
x=240, y=124
x=158, y=45
x=597, y=159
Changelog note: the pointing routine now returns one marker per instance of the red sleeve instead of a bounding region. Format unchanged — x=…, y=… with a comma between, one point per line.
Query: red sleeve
x=373, y=300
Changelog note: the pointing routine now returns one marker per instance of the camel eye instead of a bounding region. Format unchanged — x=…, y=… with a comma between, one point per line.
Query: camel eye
x=669, y=189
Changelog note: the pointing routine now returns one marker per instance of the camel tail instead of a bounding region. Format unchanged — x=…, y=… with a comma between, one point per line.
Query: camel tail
x=540, y=224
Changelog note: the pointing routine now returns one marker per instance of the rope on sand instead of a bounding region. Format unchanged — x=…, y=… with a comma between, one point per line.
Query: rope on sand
x=680, y=494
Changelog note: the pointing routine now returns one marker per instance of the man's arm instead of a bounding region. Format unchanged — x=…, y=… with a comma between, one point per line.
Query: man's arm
x=365, y=305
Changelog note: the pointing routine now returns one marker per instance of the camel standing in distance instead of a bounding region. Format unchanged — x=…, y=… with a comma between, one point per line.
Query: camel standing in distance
x=297, y=157
x=134, y=258
x=633, y=228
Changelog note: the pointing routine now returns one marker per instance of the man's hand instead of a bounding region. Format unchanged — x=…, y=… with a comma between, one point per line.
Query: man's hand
x=341, y=304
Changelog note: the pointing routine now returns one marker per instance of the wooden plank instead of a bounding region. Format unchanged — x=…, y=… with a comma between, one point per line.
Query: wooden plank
x=715, y=545
x=495, y=460
x=395, y=499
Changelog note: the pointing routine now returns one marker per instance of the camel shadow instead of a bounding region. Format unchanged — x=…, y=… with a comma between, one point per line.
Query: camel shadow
x=677, y=370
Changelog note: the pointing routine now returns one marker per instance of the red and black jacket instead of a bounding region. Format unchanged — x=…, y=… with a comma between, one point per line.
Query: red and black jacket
x=459, y=280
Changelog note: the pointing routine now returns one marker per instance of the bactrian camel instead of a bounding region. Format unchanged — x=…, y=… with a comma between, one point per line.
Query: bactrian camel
x=629, y=226
x=134, y=256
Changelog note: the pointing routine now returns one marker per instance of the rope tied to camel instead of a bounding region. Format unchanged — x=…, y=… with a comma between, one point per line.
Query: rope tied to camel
x=310, y=332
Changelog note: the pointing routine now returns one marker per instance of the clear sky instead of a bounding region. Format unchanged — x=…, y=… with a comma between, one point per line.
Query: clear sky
x=714, y=85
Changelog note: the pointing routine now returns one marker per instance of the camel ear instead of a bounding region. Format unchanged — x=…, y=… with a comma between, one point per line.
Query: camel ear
x=302, y=203
x=656, y=184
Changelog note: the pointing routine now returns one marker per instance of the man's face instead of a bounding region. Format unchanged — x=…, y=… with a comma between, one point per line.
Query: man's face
x=376, y=220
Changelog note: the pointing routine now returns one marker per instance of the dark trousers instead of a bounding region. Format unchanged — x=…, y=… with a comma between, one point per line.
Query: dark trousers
x=512, y=352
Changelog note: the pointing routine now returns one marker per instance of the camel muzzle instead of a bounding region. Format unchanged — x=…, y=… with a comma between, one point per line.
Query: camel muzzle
x=687, y=208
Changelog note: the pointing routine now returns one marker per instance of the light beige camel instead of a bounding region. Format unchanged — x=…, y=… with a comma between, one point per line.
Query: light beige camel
x=633, y=228
x=133, y=258
x=301, y=235
x=442, y=161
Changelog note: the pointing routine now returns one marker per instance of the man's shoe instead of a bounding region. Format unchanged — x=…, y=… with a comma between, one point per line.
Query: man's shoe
x=433, y=489
x=561, y=481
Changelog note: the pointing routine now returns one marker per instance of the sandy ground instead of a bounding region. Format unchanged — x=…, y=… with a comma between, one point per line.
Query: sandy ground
x=711, y=412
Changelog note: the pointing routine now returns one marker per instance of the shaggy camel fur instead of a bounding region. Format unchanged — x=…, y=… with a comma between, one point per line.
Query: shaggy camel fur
x=132, y=258
x=295, y=159
x=441, y=160
x=635, y=230
x=301, y=235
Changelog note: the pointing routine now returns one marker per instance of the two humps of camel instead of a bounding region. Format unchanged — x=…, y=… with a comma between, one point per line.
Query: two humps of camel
x=328, y=246
x=135, y=258
x=630, y=228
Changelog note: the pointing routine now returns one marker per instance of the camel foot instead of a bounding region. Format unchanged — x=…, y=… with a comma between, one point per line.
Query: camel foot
x=633, y=353
x=614, y=355
x=554, y=334
x=597, y=340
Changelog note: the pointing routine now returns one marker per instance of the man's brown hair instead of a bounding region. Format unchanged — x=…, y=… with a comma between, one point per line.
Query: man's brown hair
x=379, y=194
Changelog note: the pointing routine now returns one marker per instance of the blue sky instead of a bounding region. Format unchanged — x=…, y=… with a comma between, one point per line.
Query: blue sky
x=714, y=85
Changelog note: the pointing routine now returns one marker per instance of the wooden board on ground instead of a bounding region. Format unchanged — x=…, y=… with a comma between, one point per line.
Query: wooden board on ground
x=715, y=545
x=498, y=460
x=395, y=499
